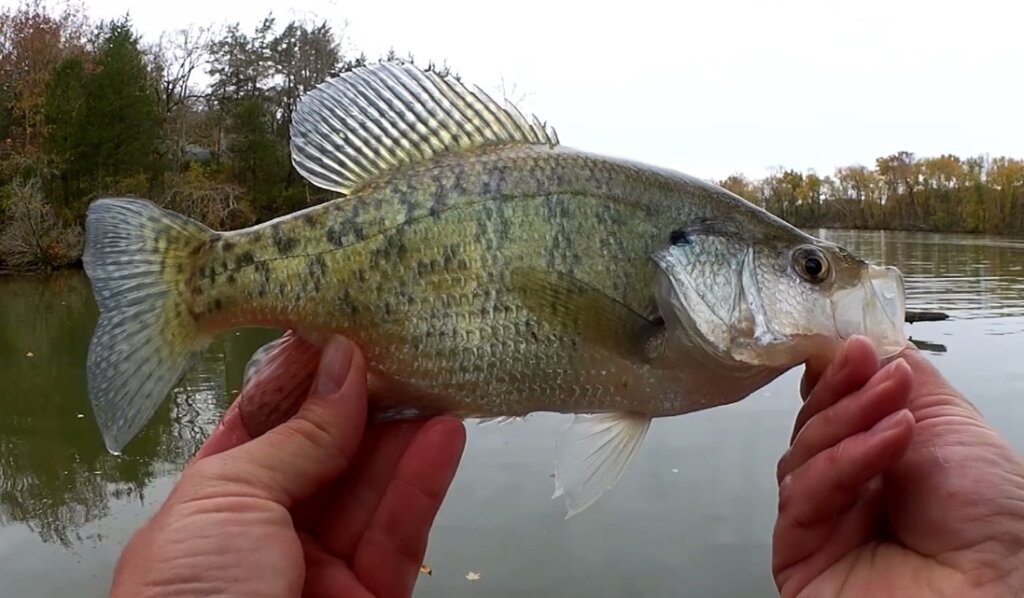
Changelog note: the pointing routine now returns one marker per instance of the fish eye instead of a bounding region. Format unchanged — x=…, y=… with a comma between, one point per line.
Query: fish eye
x=811, y=264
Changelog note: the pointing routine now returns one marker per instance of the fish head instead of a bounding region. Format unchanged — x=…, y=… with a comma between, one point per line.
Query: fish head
x=774, y=299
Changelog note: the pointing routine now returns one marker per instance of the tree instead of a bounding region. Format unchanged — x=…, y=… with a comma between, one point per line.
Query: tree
x=742, y=186
x=120, y=122
x=32, y=43
x=64, y=108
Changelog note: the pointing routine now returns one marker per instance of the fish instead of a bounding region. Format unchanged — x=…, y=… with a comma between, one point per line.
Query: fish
x=486, y=271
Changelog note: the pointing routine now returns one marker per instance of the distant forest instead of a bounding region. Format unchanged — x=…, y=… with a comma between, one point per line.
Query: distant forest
x=198, y=121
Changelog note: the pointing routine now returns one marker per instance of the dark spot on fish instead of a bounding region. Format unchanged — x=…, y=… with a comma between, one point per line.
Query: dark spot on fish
x=264, y=271
x=317, y=267
x=422, y=267
x=679, y=237
x=231, y=278
x=227, y=246
x=335, y=235
x=245, y=260
x=282, y=289
x=410, y=206
x=451, y=253
x=440, y=199
x=283, y=242
x=309, y=219
x=179, y=268
x=533, y=335
x=217, y=304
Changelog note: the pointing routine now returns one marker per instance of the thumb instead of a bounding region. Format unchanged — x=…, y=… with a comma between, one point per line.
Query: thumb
x=294, y=459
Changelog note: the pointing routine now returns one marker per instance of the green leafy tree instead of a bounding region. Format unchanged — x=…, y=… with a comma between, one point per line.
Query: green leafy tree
x=121, y=125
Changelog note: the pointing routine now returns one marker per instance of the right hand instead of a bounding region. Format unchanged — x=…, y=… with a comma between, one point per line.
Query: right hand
x=928, y=505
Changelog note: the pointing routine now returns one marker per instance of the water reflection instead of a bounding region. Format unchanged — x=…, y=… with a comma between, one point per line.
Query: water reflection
x=55, y=475
x=967, y=276
x=59, y=484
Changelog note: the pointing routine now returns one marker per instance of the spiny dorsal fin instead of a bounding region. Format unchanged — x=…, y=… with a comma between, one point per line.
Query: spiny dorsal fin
x=355, y=127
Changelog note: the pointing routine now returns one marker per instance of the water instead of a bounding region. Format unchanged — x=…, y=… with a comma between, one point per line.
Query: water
x=692, y=515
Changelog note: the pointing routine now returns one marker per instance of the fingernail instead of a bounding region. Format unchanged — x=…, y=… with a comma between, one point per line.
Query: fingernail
x=884, y=375
x=335, y=364
x=890, y=423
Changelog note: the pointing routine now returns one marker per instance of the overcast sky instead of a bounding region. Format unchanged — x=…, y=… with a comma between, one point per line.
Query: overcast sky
x=708, y=88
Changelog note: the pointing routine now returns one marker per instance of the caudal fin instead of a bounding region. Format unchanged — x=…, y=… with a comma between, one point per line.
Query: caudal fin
x=137, y=256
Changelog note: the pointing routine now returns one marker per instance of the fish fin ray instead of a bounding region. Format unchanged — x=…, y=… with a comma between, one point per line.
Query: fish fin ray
x=135, y=256
x=499, y=420
x=278, y=378
x=592, y=455
x=580, y=310
x=356, y=127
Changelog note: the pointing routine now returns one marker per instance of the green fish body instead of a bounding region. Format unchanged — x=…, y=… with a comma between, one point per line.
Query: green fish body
x=484, y=270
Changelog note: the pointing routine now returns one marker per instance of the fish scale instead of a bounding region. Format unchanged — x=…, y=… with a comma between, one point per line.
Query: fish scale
x=484, y=270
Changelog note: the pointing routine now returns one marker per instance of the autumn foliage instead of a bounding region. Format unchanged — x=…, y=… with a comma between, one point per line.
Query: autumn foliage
x=945, y=193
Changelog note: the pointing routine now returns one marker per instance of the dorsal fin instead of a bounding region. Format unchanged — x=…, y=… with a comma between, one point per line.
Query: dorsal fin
x=368, y=121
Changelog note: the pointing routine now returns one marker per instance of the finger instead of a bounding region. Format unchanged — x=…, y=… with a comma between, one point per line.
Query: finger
x=887, y=392
x=831, y=482
x=228, y=434
x=391, y=550
x=289, y=462
x=327, y=576
x=816, y=366
x=340, y=513
x=852, y=368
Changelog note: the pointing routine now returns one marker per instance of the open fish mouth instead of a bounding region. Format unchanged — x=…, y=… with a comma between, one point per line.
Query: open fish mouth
x=874, y=308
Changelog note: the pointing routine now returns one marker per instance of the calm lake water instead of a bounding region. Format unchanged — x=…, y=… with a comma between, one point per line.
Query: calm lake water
x=692, y=515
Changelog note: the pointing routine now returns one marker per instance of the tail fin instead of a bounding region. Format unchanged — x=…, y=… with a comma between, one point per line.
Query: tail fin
x=137, y=256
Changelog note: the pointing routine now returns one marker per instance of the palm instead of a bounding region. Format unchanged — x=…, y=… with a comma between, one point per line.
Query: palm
x=937, y=508
x=366, y=533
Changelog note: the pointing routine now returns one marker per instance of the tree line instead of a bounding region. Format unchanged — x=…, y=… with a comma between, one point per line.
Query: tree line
x=977, y=194
x=197, y=120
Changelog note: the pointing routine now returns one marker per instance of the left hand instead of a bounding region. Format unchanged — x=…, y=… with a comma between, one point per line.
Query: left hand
x=314, y=507
x=894, y=485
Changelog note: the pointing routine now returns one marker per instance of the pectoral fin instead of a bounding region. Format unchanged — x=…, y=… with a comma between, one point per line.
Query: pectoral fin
x=580, y=310
x=592, y=455
x=277, y=380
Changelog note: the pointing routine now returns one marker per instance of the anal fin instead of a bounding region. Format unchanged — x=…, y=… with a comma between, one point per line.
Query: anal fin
x=593, y=453
x=277, y=381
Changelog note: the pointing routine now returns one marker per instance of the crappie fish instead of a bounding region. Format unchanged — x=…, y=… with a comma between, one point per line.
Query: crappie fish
x=485, y=271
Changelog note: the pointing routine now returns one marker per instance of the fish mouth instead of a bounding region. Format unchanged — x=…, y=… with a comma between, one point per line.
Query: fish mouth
x=875, y=307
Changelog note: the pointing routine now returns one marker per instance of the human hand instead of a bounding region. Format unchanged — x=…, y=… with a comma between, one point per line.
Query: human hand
x=313, y=507
x=895, y=486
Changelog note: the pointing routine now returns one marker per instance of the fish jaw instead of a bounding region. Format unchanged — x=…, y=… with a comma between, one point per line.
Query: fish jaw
x=874, y=308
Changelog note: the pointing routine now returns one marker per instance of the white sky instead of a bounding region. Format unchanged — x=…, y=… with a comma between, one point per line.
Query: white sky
x=708, y=88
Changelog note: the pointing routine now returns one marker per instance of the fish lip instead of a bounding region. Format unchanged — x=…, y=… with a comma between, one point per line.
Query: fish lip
x=875, y=307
